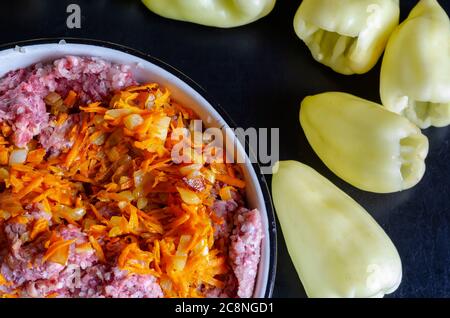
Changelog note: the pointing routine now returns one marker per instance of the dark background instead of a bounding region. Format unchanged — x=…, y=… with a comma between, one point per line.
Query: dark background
x=260, y=73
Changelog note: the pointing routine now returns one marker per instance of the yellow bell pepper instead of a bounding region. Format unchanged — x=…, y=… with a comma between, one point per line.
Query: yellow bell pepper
x=415, y=74
x=216, y=13
x=337, y=248
x=347, y=35
x=368, y=146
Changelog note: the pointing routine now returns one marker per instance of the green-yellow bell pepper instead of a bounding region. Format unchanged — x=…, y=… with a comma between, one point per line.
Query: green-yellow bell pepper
x=347, y=35
x=337, y=248
x=415, y=74
x=368, y=146
x=216, y=13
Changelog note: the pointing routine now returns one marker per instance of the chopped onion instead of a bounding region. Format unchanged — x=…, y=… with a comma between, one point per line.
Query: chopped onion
x=100, y=140
x=189, y=197
x=123, y=179
x=138, y=177
x=5, y=215
x=124, y=159
x=209, y=175
x=202, y=248
x=113, y=154
x=116, y=221
x=56, y=103
x=98, y=119
x=219, y=168
x=18, y=156
x=53, y=99
x=114, y=139
x=182, y=252
x=66, y=212
x=132, y=121
x=197, y=156
x=117, y=113
x=162, y=128
x=138, y=192
x=183, y=245
x=122, y=204
x=194, y=174
x=78, y=213
x=88, y=222
x=226, y=193
x=127, y=195
x=4, y=174
x=186, y=170
x=150, y=101
x=142, y=203
x=166, y=284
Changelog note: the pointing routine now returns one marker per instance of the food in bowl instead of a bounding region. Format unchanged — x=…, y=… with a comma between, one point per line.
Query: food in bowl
x=92, y=202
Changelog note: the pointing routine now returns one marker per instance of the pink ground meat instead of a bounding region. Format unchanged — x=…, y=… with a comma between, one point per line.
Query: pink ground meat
x=224, y=210
x=83, y=275
x=15, y=265
x=122, y=285
x=245, y=249
x=241, y=231
x=96, y=281
x=53, y=137
x=22, y=91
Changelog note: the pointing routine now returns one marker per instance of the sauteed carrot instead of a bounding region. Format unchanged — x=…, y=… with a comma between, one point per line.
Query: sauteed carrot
x=117, y=182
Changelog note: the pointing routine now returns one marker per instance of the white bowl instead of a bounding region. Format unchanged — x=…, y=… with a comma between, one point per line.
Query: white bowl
x=149, y=69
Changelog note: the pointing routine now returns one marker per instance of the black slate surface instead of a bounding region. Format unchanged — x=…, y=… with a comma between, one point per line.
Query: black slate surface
x=259, y=73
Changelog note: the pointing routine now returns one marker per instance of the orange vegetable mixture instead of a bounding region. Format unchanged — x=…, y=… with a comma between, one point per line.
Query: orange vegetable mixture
x=120, y=160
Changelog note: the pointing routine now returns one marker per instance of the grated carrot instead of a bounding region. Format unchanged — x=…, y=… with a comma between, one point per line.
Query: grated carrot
x=58, y=252
x=97, y=248
x=119, y=185
x=36, y=156
x=70, y=99
x=96, y=213
x=94, y=108
x=39, y=227
x=62, y=117
x=4, y=157
x=238, y=183
x=74, y=151
x=3, y=280
x=30, y=187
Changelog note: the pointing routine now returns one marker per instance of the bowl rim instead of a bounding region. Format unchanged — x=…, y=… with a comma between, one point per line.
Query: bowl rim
x=263, y=185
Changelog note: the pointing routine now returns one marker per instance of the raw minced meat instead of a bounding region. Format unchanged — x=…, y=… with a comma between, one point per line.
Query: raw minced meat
x=96, y=281
x=241, y=230
x=224, y=211
x=122, y=285
x=53, y=137
x=82, y=276
x=245, y=249
x=22, y=91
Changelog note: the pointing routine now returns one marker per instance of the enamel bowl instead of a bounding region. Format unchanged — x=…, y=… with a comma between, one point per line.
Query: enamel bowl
x=188, y=93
